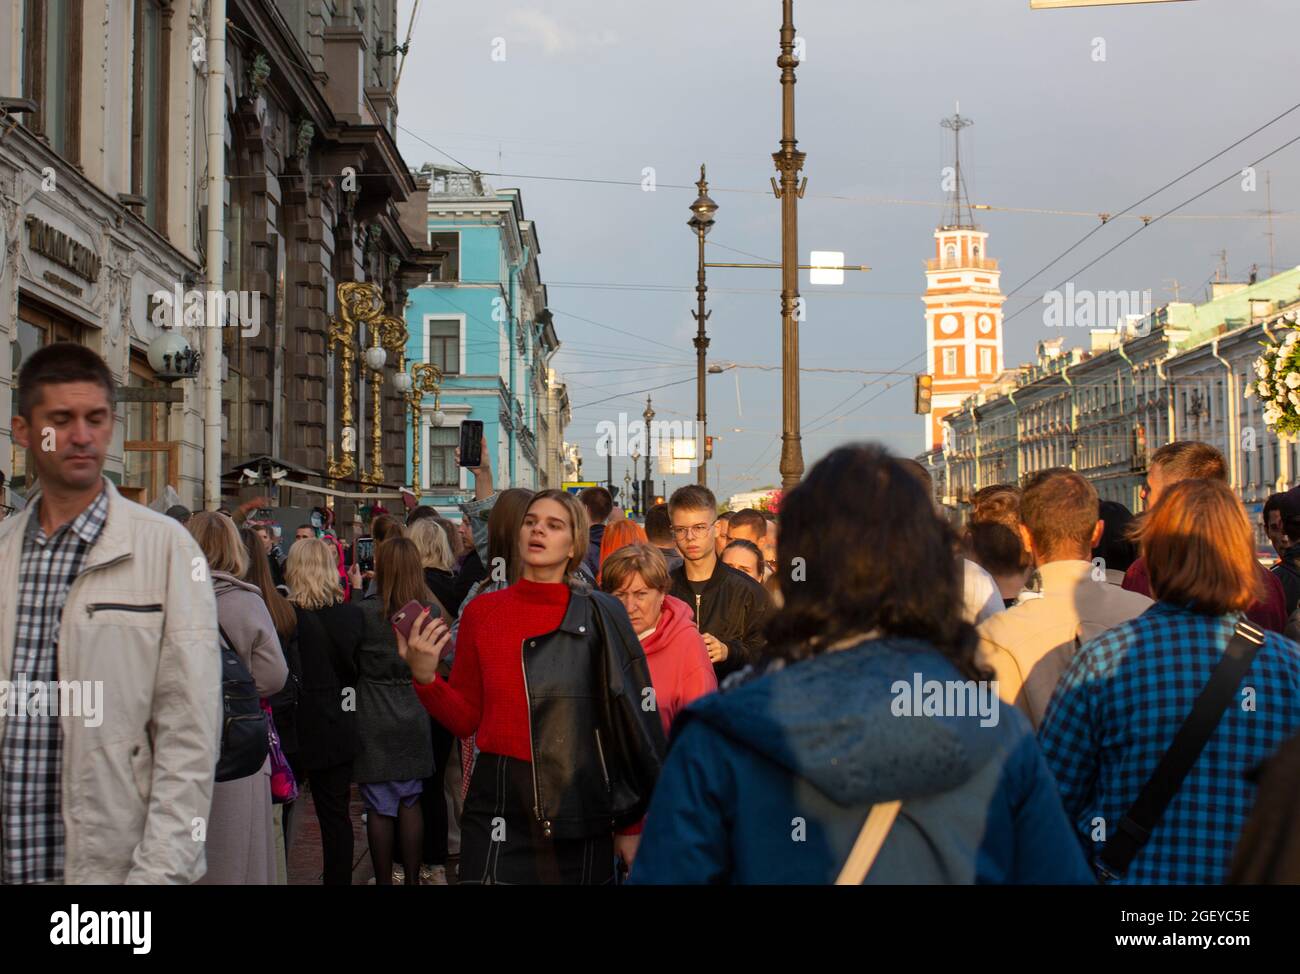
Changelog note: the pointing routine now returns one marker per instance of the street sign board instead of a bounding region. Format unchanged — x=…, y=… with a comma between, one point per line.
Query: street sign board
x=1052, y=4
x=575, y=486
x=827, y=267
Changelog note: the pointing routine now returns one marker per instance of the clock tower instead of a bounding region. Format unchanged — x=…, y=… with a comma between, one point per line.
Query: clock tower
x=963, y=304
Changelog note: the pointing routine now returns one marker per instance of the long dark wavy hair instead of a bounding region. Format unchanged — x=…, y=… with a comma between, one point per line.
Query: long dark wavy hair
x=861, y=547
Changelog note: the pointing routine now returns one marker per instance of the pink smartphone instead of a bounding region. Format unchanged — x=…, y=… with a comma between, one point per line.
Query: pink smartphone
x=406, y=616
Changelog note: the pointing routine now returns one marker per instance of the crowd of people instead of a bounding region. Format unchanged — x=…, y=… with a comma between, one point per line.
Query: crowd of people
x=854, y=690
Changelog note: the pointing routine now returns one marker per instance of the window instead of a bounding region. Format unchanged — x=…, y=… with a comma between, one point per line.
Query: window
x=951, y=254
x=36, y=329
x=148, y=460
x=447, y=252
x=149, y=110
x=443, y=338
x=986, y=360
x=53, y=75
x=443, y=469
x=950, y=361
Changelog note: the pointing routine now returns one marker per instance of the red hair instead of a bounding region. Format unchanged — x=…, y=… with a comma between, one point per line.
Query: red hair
x=620, y=534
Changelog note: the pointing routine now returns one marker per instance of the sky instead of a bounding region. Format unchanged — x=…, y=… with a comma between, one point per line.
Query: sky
x=1084, y=111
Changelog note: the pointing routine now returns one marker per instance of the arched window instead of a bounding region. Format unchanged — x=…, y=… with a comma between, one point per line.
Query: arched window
x=951, y=254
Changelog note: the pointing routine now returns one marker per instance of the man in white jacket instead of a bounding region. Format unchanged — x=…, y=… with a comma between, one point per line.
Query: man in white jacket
x=111, y=716
x=1030, y=645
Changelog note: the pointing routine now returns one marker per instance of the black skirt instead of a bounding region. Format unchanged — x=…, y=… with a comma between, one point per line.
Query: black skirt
x=501, y=841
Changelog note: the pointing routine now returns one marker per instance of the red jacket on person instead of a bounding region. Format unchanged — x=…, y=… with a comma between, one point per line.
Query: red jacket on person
x=1269, y=614
x=679, y=662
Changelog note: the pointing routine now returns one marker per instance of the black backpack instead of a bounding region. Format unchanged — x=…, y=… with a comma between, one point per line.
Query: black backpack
x=245, y=731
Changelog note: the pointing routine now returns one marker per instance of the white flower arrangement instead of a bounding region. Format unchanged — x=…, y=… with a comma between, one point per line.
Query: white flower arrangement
x=1278, y=385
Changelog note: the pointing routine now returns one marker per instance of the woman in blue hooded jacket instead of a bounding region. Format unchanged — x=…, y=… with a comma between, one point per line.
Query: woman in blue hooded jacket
x=876, y=695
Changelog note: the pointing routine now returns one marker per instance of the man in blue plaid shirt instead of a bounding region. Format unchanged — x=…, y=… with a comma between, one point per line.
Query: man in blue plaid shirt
x=1125, y=695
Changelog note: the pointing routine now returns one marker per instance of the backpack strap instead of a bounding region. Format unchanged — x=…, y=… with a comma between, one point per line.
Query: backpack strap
x=1136, y=826
x=874, y=831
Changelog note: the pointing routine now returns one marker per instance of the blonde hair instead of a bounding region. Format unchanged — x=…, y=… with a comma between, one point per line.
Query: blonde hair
x=431, y=541
x=220, y=541
x=579, y=524
x=312, y=574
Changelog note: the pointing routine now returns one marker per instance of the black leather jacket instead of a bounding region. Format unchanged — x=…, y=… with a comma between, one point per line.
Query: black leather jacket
x=597, y=741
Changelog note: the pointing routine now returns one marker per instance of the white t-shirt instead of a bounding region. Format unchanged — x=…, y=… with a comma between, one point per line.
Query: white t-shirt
x=980, y=595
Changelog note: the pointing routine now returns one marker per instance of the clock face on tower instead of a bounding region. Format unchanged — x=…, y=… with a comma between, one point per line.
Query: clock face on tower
x=985, y=324
x=948, y=324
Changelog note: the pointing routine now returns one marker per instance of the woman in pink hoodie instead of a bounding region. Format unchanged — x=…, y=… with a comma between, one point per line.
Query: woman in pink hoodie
x=637, y=575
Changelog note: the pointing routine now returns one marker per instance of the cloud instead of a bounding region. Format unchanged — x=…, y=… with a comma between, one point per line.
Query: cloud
x=557, y=38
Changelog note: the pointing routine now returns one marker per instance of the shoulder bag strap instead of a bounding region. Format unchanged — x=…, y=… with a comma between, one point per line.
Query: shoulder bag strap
x=874, y=830
x=1135, y=827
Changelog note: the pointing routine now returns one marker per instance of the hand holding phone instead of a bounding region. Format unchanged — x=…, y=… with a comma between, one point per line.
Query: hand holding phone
x=470, y=452
x=364, y=556
x=406, y=616
x=421, y=638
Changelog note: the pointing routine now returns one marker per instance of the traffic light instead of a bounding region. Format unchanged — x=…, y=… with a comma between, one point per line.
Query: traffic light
x=708, y=448
x=659, y=499
x=924, y=389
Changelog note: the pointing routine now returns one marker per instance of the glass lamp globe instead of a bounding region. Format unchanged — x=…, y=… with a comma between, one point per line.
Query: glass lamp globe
x=376, y=356
x=402, y=380
x=171, y=344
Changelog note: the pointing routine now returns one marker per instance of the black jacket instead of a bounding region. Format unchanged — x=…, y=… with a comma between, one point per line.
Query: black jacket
x=1288, y=573
x=329, y=641
x=733, y=607
x=672, y=556
x=597, y=740
x=444, y=587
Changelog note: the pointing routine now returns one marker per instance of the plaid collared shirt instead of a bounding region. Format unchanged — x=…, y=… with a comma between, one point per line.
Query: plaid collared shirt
x=31, y=754
x=1115, y=713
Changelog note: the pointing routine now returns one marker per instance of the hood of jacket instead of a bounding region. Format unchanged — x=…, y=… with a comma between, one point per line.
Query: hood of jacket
x=224, y=583
x=830, y=721
x=675, y=617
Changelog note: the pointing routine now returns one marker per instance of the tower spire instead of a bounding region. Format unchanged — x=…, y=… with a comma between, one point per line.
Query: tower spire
x=959, y=214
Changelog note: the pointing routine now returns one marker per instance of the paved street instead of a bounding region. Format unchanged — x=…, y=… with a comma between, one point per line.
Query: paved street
x=305, y=863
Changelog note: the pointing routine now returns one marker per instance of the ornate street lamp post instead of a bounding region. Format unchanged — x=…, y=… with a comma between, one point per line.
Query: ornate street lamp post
x=423, y=379
x=647, y=489
x=789, y=161
x=358, y=303
x=701, y=221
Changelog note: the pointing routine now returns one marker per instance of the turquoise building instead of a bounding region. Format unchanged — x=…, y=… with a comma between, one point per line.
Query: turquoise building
x=481, y=318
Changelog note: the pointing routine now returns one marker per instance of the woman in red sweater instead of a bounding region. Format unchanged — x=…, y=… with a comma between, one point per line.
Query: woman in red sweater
x=637, y=575
x=552, y=681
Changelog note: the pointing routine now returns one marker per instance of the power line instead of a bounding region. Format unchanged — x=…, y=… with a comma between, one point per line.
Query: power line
x=630, y=334
x=1135, y=205
x=633, y=392
x=1154, y=220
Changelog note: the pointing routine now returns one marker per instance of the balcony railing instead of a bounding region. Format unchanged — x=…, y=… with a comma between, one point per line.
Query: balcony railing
x=961, y=264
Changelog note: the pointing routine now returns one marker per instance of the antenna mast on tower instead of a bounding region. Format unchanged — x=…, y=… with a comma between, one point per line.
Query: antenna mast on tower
x=960, y=214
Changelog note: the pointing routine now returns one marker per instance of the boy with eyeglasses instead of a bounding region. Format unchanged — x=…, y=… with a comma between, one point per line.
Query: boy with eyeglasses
x=730, y=607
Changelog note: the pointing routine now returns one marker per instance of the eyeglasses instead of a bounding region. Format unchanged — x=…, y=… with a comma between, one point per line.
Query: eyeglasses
x=694, y=531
